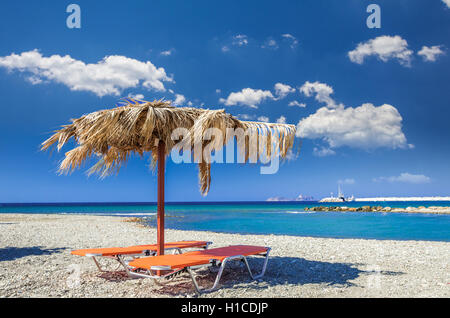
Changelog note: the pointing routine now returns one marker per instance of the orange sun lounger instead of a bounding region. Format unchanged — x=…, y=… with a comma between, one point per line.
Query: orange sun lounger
x=119, y=253
x=216, y=257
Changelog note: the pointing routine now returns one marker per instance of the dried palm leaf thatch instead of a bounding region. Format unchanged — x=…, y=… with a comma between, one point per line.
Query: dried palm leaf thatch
x=114, y=134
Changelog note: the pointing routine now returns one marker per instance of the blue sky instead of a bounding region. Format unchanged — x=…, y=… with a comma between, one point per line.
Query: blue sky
x=372, y=104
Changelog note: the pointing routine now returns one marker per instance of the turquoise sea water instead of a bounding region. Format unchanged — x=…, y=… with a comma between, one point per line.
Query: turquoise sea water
x=283, y=218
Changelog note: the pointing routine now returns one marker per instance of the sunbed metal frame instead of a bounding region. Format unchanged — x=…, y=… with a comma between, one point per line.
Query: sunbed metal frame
x=133, y=272
x=121, y=258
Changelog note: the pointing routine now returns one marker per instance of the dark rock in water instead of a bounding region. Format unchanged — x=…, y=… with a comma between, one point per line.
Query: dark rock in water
x=366, y=208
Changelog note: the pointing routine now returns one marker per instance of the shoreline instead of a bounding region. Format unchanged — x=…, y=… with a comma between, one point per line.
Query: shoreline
x=140, y=222
x=36, y=262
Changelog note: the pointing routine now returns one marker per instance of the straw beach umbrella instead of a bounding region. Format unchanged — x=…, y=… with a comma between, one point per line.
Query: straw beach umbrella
x=137, y=127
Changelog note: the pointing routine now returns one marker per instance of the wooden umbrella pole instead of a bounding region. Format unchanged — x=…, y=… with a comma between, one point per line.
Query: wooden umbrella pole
x=161, y=166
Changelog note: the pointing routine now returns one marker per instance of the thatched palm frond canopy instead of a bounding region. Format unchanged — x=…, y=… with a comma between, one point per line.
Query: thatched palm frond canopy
x=138, y=127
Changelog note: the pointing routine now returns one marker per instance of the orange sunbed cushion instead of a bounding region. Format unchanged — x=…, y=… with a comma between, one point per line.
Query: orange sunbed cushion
x=197, y=257
x=112, y=251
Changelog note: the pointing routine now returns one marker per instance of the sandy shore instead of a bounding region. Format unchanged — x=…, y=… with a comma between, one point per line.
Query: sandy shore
x=35, y=261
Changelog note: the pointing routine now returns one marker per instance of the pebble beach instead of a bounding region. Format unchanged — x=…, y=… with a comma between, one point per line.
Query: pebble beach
x=35, y=261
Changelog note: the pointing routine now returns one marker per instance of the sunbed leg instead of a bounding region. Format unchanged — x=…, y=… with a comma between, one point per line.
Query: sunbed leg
x=98, y=265
x=194, y=281
x=263, y=271
x=216, y=282
x=219, y=275
x=121, y=262
x=177, y=250
x=125, y=266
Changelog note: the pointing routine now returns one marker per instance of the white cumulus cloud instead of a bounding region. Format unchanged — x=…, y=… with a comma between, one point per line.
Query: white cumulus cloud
x=137, y=96
x=292, y=39
x=281, y=120
x=322, y=92
x=247, y=97
x=264, y=119
x=282, y=90
x=405, y=177
x=179, y=99
x=110, y=76
x=385, y=48
x=270, y=44
x=323, y=152
x=34, y=80
x=167, y=52
x=365, y=127
x=245, y=116
x=240, y=40
x=430, y=54
x=295, y=103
